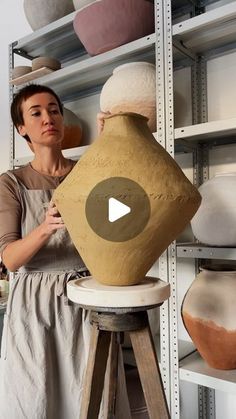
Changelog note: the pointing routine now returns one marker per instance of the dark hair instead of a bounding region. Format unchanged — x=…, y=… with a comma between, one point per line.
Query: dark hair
x=24, y=94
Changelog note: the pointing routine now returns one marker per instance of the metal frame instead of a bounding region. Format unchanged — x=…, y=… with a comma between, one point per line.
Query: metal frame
x=161, y=137
x=171, y=253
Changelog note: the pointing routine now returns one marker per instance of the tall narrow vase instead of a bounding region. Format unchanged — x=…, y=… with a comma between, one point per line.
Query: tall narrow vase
x=126, y=150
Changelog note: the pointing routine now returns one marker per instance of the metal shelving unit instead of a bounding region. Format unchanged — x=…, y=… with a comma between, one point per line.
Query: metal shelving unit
x=201, y=251
x=171, y=45
x=195, y=370
x=205, y=35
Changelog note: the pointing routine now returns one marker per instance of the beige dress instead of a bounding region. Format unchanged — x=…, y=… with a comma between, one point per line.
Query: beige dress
x=45, y=338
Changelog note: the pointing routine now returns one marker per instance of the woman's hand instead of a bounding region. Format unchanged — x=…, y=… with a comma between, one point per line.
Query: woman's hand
x=20, y=252
x=53, y=220
x=100, y=121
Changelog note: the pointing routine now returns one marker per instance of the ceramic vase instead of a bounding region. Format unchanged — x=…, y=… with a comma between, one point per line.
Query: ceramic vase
x=132, y=87
x=127, y=149
x=107, y=24
x=73, y=130
x=42, y=12
x=215, y=221
x=209, y=312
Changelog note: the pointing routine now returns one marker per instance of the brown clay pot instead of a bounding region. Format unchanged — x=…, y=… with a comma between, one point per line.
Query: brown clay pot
x=126, y=149
x=107, y=24
x=73, y=130
x=209, y=312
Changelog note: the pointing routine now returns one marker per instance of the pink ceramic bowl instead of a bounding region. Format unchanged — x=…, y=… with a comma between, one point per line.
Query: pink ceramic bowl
x=107, y=24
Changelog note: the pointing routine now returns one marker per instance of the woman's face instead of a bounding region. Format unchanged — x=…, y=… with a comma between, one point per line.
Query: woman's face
x=43, y=122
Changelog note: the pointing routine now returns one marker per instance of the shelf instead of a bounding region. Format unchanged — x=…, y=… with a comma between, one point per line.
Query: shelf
x=202, y=33
x=31, y=76
x=208, y=130
x=209, y=31
x=195, y=370
x=57, y=40
x=184, y=5
x=86, y=76
x=201, y=251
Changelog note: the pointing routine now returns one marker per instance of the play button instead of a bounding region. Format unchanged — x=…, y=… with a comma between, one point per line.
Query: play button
x=117, y=209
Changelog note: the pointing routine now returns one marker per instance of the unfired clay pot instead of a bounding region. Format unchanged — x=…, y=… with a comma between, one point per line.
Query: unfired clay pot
x=215, y=220
x=72, y=131
x=107, y=24
x=42, y=12
x=209, y=312
x=127, y=149
x=132, y=88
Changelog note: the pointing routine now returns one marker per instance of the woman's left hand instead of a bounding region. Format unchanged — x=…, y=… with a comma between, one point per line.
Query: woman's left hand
x=100, y=121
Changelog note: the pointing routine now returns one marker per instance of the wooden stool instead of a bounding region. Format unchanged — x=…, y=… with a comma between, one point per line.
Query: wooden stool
x=115, y=310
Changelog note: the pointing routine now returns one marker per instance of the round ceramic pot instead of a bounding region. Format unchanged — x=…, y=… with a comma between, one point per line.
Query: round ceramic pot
x=131, y=88
x=79, y=4
x=107, y=24
x=209, y=312
x=48, y=62
x=21, y=70
x=126, y=149
x=42, y=12
x=215, y=221
x=72, y=131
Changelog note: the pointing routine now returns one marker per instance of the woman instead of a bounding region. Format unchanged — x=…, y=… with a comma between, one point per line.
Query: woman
x=45, y=339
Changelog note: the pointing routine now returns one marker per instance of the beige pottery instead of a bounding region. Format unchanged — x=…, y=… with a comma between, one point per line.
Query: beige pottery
x=131, y=88
x=209, y=313
x=127, y=148
x=40, y=13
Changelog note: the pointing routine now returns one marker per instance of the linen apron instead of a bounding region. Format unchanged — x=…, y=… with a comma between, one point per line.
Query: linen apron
x=45, y=338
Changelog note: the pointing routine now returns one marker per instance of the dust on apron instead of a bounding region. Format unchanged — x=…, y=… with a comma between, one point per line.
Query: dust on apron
x=45, y=340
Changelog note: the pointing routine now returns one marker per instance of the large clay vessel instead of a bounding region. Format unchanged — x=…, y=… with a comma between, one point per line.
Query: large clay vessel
x=107, y=24
x=131, y=88
x=209, y=313
x=215, y=220
x=126, y=149
x=42, y=12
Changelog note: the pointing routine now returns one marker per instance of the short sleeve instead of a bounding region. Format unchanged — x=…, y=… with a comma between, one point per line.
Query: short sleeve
x=10, y=211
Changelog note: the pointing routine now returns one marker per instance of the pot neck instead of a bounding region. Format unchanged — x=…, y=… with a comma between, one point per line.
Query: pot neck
x=121, y=123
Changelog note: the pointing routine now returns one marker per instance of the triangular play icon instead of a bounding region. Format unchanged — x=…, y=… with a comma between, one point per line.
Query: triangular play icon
x=117, y=209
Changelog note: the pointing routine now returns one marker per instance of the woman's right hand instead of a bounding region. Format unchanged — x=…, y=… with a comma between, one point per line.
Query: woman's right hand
x=53, y=220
